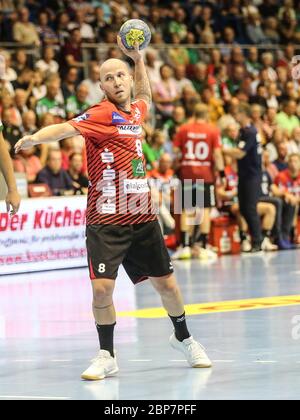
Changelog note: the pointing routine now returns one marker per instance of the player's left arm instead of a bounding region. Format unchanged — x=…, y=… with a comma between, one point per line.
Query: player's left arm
x=142, y=83
x=13, y=198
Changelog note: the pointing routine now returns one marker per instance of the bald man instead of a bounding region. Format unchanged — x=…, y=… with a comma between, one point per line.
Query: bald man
x=122, y=227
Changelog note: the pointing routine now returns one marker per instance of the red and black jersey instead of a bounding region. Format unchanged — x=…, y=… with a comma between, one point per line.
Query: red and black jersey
x=197, y=142
x=118, y=190
x=285, y=180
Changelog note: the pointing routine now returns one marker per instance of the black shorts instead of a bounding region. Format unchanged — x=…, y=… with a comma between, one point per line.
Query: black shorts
x=140, y=248
x=198, y=195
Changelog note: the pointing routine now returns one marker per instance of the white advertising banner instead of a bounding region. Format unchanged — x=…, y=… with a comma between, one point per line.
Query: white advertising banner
x=46, y=234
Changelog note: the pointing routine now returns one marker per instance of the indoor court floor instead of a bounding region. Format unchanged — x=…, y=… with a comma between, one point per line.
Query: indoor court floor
x=245, y=311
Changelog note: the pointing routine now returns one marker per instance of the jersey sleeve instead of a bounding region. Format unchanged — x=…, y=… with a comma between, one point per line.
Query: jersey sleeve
x=247, y=141
x=178, y=138
x=142, y=107
x=217, y=140
x=92, y=122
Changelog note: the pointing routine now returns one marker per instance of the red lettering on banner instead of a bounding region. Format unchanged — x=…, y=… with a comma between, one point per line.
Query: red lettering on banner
x=47, y=219
x=14, y=223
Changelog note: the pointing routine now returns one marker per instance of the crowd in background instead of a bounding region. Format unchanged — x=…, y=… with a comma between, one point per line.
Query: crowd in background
x=35, y=93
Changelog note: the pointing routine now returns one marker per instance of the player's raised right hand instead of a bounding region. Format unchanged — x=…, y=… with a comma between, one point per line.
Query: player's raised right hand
x=25, y=143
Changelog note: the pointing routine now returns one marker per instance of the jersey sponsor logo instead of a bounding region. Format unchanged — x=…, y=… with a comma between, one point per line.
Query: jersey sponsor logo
x=131, y=130
x=109, y=175
x=109, y=208
x=107, y=157
x=82, y=117
x=117, y=118
x=132, y=186
x=138, y=168
x=109, y=191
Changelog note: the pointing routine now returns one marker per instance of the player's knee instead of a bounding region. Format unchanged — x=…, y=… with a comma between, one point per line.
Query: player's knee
x=167, y=287
x=102, y=292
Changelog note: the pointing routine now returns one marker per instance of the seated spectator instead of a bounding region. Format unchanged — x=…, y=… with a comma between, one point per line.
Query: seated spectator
x=70, y=83
x=154, y=149
x=54, y=176
x=29, y=123
x=288, y=183
x=95, y=94
x=86, y=30
x=49, y=104
x=21, y=61
x=231, y=108
x=181, y=79
x=77, y=104
x=47, y=64
x=26, y=162
x=10, y=74
x=254, y=29
x=229, y=198
x=23, y=80
x=24, y=31
x=162, y=183
x=177, y=25
x=153, y=65
x=11, y=132
x=287, y=118
x=165, y=92
x=72, y=52
x=230, y=136
x=200, y=77
x=253, y=65
x=271, y=30
x=178, y=55
x=172, y=124
x=261, y=96
x=80, y=182
x=21, y=97
x=282, y=151
x=67, y=150
x=215, y=105
x=268, y=166
x=39, y=89
x=295, y=141
x=45, y=32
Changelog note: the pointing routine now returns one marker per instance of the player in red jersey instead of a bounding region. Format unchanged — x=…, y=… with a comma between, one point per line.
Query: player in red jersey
x=121, y=226
x=288, y=189
x=198, y=146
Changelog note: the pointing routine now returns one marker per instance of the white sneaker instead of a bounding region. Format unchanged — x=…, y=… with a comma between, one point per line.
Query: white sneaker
x=246, y=246
x=193, y=351
x=182, y=253
x=102, y=366
x=268, y=246
x=204, y=254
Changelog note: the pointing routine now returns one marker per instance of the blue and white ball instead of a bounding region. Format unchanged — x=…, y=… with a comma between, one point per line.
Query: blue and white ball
x=135, y=30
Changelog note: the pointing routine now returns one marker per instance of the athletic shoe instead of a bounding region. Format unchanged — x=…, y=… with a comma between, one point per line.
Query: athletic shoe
x=268, y=246
x=182, y=253
x=204, y=254
x=285, y=245
x=103, y=365
x=193, y=351
x=246, y=246
x=255, y=249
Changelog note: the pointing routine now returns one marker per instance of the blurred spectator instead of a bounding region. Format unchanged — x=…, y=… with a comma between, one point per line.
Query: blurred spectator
x=80, y=182
x=11, y=131
x=177, y=25
x=200, y=77
x=46, y=34
x=153, y=65
x=70, y=83
x=282, y=151
x=23, y=80
x=24, y=31
x=154, y=149
x=54, y=176
x=77, y=104
x=95, y=94
x=72, y=52
x=10, y=74
x=181, y=79
x=21, y=61
x=47, y=64
x=172, y=124
x=49, y=104
x=287, y=118
x=230, y=136
x=165, y=92
x=29, y=123
x=86, y=31
x=26, y=162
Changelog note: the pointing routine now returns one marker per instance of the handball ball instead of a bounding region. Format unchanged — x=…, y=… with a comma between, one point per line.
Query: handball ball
x=135, y=30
